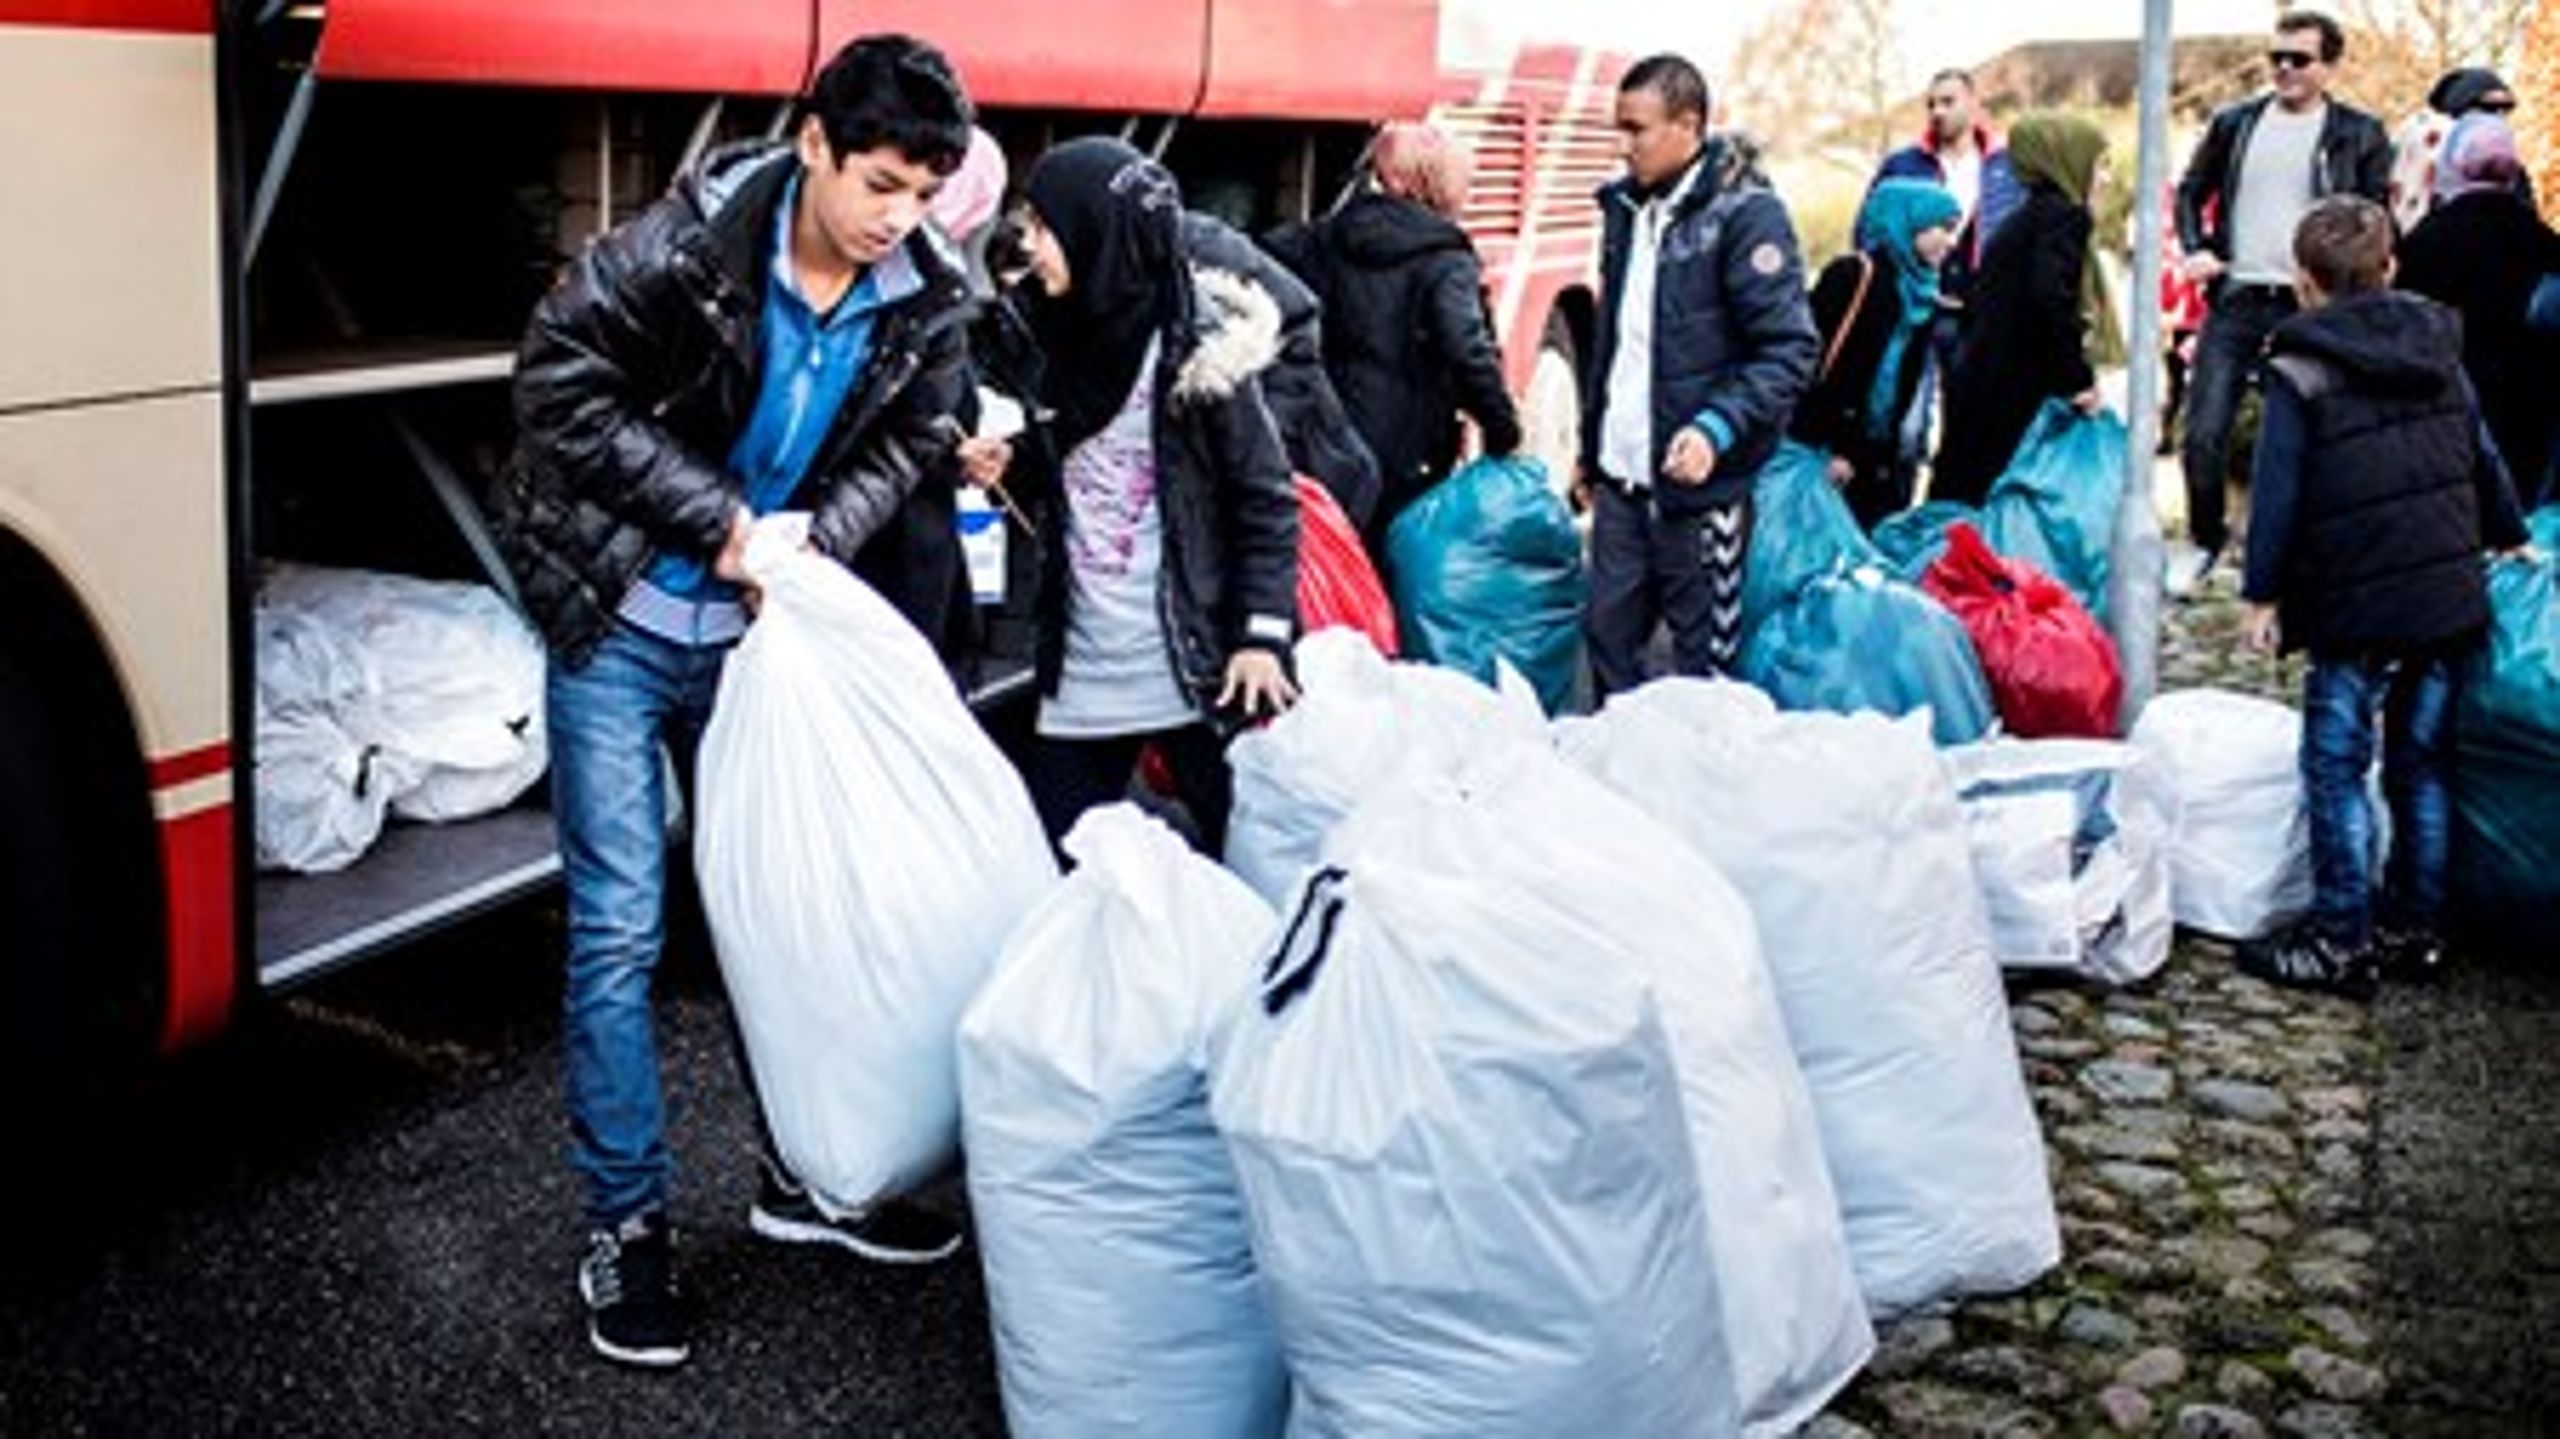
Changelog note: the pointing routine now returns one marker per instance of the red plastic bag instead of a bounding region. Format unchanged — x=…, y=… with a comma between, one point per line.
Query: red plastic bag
x=1337, y=585
x=2052, y=668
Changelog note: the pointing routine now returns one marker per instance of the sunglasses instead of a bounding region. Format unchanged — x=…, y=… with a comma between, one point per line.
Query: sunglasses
x=2292, y=59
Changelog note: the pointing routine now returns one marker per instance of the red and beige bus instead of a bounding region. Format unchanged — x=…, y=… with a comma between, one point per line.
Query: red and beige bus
x=262, y=269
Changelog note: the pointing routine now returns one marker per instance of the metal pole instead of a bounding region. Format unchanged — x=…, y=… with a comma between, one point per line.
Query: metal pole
x=288, y=143
x=2134, y=608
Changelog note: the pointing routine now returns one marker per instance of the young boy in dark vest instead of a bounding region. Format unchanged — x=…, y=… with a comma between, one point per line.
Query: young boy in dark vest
x=2376, y=485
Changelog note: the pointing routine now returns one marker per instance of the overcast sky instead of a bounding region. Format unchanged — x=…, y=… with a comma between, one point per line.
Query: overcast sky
x=1935, y=33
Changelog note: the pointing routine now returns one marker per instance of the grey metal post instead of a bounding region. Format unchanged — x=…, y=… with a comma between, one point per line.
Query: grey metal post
x=288, y=143
x=2135, y=606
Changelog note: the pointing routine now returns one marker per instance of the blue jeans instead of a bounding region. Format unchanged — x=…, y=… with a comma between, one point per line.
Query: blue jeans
x=609, y=798
x=2339, y=698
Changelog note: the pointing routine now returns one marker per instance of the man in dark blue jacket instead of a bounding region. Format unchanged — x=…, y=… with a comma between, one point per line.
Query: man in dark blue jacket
x=1705, y=341
x=1959, y=151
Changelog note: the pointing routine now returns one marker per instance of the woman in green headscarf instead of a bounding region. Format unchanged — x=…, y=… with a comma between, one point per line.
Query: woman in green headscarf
x=1874, y=308
x=2039, y=323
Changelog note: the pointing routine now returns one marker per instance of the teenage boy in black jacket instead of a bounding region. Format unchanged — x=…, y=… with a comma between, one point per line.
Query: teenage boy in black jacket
x=778, y=332
x=2376, y=482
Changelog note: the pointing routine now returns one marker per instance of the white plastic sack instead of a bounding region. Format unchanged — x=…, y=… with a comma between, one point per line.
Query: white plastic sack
x=2071, y=851
x=1466, y=1201
x=1119, y=1274
x=2241, y=865
x=863, y=851
x=1360, y=718
x=453, y=683
x=322, y=793
x=1844, y=836
x=1467, y=1168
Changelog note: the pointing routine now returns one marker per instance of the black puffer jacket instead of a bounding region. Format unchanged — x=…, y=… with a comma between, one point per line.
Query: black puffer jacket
x=2396, y=498
x=1315, y=429
x=1230, y=512
x=641, y=367
x=1407, y=337
x=1732, y=335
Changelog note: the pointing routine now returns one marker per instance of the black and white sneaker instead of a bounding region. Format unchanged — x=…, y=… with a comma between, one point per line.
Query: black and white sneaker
x=635, y=1312
x=2304, y=958
x=2410, y=956
x=890, y=1232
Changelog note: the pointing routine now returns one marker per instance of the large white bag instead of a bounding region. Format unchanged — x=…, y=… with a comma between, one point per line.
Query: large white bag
x=453, y=686
x=2071, y=844
x=1462, y=1207
x=1466, y=1165
x=2241, y=865
x=1360, y=718
x=863, y=850
x=1844, y=836
x=1118, y=1270
x=322, y=793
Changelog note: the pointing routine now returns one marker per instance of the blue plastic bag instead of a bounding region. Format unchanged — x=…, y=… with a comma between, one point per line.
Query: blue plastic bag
x=1488, y=564
x=1801, y=530
x=2055, y=506
x=2506, y=757
x=1911, y=541
x=1862, y=641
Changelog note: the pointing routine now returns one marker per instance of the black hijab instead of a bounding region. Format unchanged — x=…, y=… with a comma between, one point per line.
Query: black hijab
x=1118, y=217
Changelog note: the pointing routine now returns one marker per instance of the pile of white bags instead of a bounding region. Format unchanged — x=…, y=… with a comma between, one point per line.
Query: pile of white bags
x=2071, y=842
x=322, y=793
x=863, y=850
x=2241, y=866
x=1475, y=1207
x=1360, y=719
x=383, y=693
x=1844, y=836
x=1118, y=1270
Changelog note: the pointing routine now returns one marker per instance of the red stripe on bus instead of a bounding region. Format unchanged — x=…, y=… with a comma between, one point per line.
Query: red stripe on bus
x=193, y=764
x=195, y=859
x=186, y=17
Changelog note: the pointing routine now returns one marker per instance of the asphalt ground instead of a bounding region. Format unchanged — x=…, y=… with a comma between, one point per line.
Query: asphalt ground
x=358, y=1217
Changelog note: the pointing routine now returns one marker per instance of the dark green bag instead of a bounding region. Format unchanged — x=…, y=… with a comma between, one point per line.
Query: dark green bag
x=1801, y=530
x=1488, y=564
x=2506, y=758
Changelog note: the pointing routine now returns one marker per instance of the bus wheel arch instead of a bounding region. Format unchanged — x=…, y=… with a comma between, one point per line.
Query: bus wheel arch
x=1551, y=403
x=83, y=984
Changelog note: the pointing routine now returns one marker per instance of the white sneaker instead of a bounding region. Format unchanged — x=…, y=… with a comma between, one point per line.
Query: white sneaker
x=2188, y=565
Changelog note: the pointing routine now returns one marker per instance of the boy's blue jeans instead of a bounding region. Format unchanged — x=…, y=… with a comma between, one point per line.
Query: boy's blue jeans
x=609, y=798
x=2340, y=700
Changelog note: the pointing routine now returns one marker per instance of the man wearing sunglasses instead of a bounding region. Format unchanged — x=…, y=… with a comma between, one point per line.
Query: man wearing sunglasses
x=2261, y=165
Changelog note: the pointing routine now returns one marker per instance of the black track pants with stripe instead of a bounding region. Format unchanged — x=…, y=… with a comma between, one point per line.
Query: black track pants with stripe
x=1648, y=568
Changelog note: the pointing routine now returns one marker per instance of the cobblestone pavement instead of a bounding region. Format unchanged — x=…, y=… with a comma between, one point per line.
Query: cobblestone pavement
x=2282, y=1214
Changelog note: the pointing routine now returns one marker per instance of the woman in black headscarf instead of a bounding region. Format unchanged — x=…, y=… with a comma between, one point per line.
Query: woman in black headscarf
x=1168, y=597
